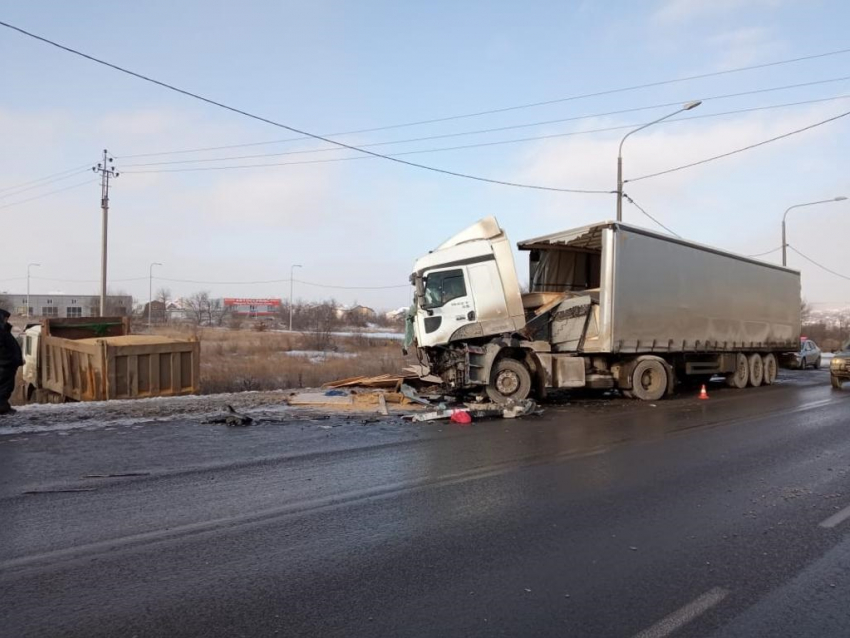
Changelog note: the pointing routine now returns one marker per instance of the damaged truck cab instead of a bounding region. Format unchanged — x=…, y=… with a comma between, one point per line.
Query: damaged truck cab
x=609, y=306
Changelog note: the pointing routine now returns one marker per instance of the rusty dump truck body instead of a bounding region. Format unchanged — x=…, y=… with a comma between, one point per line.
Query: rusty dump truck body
x=98, y=360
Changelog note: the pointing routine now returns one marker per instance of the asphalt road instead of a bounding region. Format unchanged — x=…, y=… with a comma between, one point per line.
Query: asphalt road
x=601, y=518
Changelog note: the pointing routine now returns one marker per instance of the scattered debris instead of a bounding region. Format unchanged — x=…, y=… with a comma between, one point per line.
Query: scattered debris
x=511, y=410
x=461, y=417
x=230, y=417
x=318, y=398
x=388, y=381
x=382, y=405
x=411, y=394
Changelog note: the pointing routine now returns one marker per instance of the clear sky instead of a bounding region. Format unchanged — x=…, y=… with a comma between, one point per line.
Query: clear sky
x=333, y=67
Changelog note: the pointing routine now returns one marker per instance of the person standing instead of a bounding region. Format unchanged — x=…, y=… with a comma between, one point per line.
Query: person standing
x=11, y=359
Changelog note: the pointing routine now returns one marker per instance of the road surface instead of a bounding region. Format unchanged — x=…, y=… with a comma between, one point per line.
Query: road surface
x=726, y=517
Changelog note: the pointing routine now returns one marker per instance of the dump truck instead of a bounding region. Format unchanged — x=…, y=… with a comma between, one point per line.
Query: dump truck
x=97, y=359
x=609, y=306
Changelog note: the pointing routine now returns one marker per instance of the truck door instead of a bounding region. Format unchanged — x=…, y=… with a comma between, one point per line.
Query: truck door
x=446, y=306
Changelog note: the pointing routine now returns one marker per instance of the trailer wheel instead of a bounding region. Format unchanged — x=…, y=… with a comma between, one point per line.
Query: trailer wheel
x=509, y=380
x=756, y=369
x=649, y=380
x=741, y=376
x=770, y=369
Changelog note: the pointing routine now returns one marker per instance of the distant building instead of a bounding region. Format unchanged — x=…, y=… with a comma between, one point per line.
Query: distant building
x=67, y=306
x=251, y=308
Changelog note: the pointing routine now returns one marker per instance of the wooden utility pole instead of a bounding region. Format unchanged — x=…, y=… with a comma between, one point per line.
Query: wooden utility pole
x=107, y=171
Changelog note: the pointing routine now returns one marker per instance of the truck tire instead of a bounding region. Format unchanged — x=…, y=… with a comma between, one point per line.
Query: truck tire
x=755, y=365
x=649, y=380
x=509, y=380
x=770, y=369
x=836, y=382
x=741, y=376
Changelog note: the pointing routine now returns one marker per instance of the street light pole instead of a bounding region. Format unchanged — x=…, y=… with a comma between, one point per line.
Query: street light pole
x=28, y=287
x=840, y=198
x=150, y=293
x=686, y=107
x=291, y=289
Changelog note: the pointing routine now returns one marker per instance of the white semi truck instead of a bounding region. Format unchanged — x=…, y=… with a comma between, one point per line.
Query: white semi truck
x=608, y=306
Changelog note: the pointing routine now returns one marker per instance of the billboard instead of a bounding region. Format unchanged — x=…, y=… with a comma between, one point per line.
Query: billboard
x=264, y=307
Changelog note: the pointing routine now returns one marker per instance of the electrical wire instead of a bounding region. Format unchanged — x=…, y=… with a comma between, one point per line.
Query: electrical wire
x=499, y=110
x=265, y=120
x=459, y=134
x=43, y=184
x=765, y=253
x=47, y=194
x=41, y=179
x=476, y=145
x=821, y=266
x=88, y=281
x=741, y=150
x=275, y=281
x=636, y=205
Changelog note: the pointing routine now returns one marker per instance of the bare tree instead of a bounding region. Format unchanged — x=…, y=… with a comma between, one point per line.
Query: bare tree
x=163, y=295
x=197, y=305
x=320, y=321
x=805, y=311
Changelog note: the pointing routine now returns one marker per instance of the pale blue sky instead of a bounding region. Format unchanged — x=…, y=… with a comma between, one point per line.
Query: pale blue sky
x=338, y=66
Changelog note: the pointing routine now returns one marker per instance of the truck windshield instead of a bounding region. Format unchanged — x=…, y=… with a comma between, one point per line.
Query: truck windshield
x=442, y=287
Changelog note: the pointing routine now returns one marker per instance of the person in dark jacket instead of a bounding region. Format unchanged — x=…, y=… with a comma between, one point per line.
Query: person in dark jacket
x=11, y=359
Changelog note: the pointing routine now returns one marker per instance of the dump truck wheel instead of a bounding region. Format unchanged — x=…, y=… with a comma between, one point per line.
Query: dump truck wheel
x=741, y=376
x=755, y=365
x=649, y=380
x=509, y=380
x=770, y=369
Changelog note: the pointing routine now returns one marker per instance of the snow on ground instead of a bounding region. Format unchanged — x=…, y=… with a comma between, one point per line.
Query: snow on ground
x=317, y=356
x=99, y=414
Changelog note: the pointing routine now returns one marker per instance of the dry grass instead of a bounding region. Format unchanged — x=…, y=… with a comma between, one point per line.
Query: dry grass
x=240, y=360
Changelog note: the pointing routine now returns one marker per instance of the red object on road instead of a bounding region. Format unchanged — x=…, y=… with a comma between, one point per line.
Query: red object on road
x=702, y=393
x=462, y=417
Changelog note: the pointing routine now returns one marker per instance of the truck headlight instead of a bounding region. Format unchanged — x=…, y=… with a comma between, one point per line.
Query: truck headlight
x=838, y=363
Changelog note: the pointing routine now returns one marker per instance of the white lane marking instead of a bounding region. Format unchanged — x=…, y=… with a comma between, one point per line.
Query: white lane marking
x=835, y=519
x=684, y=615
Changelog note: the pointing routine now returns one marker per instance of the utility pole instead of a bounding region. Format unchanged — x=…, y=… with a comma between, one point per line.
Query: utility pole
x=291, y=291
x=106, y=171
x=150, y=294
x=28, y=287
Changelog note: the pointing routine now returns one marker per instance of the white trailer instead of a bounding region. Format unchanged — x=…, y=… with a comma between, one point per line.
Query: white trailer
x=609, y=306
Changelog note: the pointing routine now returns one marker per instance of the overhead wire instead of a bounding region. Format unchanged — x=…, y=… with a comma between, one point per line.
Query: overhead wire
x=473, y=132
x=498, y=110
x=47, y=194
x=740, y=150
x=43, y=184
x=293, y=129
x=475, y=145
x=41, y=179
x=640, y=208
x=821, y=266
x=765, y=253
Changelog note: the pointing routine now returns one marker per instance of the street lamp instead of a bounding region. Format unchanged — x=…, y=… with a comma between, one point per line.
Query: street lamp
x=28, y=287
x=291, y=282
x=686, y=107
x=840, y=198
x=150, y=293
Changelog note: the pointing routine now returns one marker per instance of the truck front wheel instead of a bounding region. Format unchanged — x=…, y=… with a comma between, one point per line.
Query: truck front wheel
x=509, y=380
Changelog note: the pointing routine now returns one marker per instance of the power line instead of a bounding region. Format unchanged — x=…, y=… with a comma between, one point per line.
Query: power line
x=293, y=129
x=821, y=266
x=504, y=109
x=47, y=194
x=479, y=144
x=43, y=184
x=462, y=133
x=765, y=253
x=41, y=179
x=274, y=281
x=741, y=150
x=87, y=281
x=635, y=204
x=310, y=283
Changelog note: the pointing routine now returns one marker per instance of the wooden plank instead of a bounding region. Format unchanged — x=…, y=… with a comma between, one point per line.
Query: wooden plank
x=196, y=367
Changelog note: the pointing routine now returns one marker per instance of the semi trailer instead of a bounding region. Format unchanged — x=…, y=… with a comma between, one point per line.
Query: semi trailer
x=608, y=306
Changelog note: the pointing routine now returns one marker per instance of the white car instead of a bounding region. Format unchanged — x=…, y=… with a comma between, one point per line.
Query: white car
x=809, y=355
